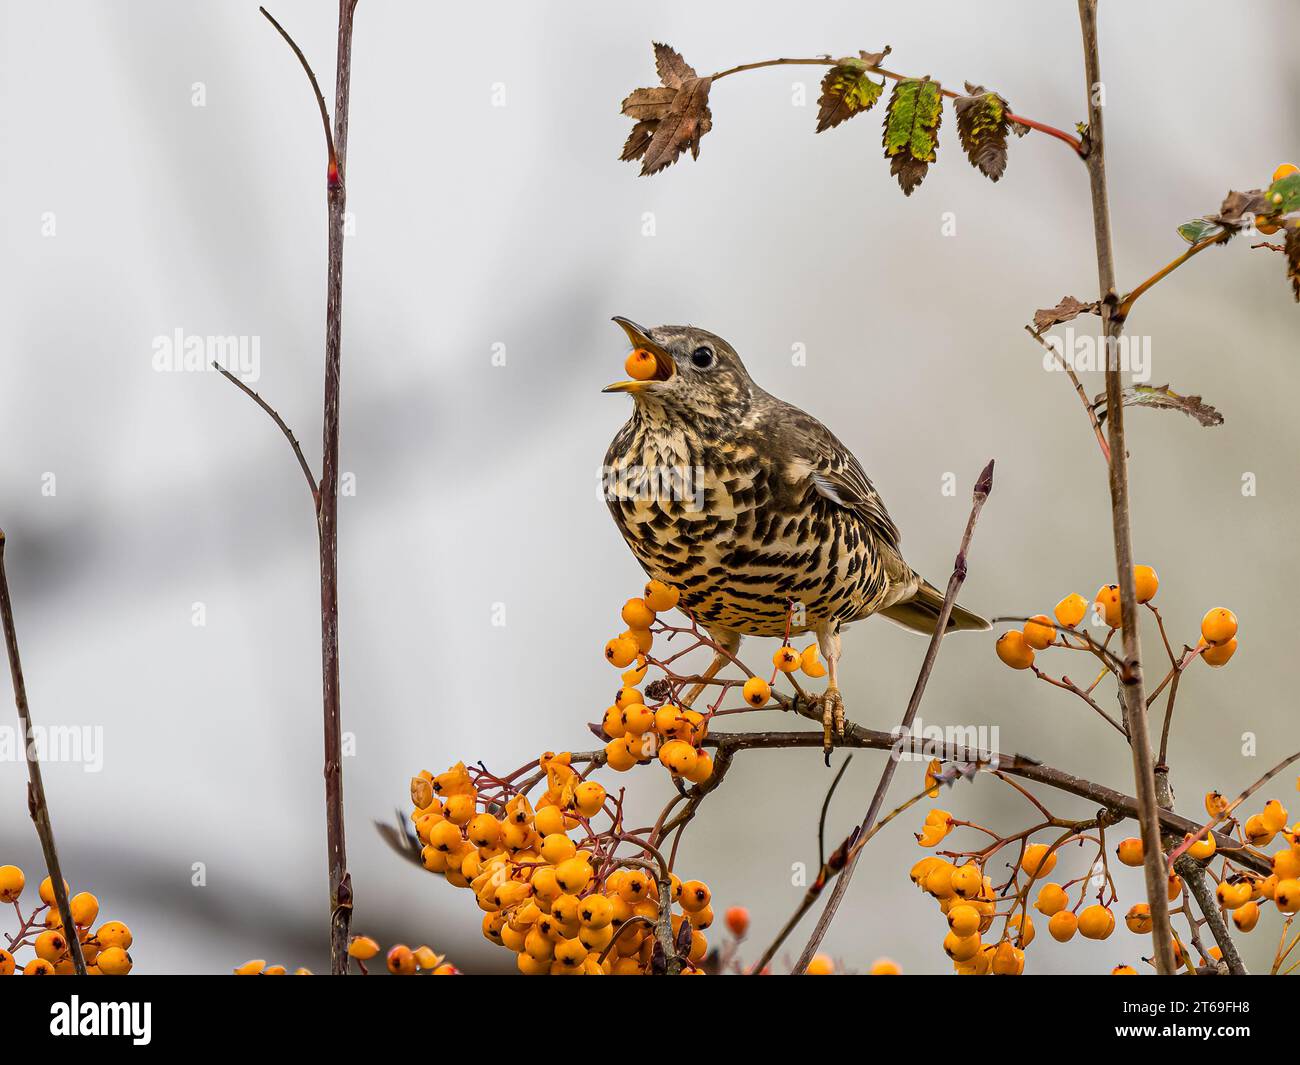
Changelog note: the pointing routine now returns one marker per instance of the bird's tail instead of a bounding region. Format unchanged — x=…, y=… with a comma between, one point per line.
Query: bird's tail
x=920, y=612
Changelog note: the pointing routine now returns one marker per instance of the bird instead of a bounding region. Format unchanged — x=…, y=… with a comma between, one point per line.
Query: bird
x=760, y=517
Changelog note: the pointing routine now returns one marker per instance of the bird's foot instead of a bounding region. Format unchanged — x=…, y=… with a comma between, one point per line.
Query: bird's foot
x=832, y=720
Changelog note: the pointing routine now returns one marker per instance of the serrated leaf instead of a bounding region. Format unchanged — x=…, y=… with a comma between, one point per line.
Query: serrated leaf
x=688, y=119
x=1067, y=310
x=1198, y=229
x=638, y=141
x=846, y=91
x=673, y=70
x=1283, y=196
x=982, y=127
x=1162, y=397
x=649, y=103
x=911, y=130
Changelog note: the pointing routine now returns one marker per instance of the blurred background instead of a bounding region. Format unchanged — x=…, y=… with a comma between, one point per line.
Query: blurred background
x=138, y=503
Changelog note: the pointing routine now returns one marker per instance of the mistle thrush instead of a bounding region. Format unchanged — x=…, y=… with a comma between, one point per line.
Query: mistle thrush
x=753, y=509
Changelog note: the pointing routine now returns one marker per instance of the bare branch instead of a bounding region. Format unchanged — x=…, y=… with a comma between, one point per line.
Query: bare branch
x=275, y=417
x=37, y=805
x=983, y=486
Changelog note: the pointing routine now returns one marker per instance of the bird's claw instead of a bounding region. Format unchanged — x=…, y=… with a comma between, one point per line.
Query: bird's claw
x=832, y=720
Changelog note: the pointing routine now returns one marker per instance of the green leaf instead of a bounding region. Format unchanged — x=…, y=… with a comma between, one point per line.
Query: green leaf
x=911, y=130
x=1198, y=229
x=846, y=91
x=982, y=126
x=1283, y=196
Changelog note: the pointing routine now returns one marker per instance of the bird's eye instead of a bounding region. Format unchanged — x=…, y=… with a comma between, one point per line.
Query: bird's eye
x=702, y=357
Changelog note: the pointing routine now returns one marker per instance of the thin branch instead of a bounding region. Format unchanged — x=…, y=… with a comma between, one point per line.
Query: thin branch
x=1194, y=877
x=1078, y=387
x=275, y=417
x=1126, y=304
x=826, y=805
x=315, y=85
x=1131, y=683
x=1201, y=832
x=37, y=806
x=983, y=486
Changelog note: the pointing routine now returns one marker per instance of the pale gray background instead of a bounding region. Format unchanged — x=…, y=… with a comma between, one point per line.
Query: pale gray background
x=478, y=225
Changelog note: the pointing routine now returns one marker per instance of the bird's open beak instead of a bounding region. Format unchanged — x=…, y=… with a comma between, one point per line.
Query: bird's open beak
x=664, y=367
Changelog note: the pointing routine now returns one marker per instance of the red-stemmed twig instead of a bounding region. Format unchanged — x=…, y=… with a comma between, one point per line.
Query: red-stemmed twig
x=37, y=806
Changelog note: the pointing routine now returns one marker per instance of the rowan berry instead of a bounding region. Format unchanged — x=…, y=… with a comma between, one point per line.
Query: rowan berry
x=12, y=882
x=1130, y=851
x=1138, y=918
x=1052, y=899
x=786, y=659
x=114, y=961
x=737, y=918
x=637, y=615
x=1038, y=860
x=114, y=934
x=1218, y=655
x=660, y=596
x=640, y=365
x=1096, y=922
x=757, y=691
x=1062, y=926
x=46, y=891
x=1014, y=650
x=1107, y=602
x=821, y=965
x=1071, y=610
x=885, y=967
x=621, y=651
x=1219, y=625
x=1145, y=583
x=1246, y=916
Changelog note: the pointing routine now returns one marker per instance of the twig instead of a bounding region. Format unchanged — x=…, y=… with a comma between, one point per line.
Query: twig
x=1126, y=304
x=1194, y=877
x=1200, y=833
x=275, y=417
x=1078, y=387
x=37, y=806
x=1131, y=682
x=320, y=98
x=327, y=494
x=826, y=805
x=983, y=486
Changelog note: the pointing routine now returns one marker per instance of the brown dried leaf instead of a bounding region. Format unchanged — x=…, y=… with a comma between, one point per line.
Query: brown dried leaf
x=1067, y=310
x=1162, y=397
x=649, y=103
x=688, y=120
x=874, y=59
x=673, y=70
x=1237, y=206
x=638, y=140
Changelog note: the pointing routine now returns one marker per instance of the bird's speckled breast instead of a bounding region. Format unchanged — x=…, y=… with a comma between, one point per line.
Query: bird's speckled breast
x=741, y=541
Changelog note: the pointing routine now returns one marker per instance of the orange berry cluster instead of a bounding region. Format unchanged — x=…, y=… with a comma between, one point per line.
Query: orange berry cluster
x=1016, y=648
x=104, y=949
x=553, y=889
x=401, y=961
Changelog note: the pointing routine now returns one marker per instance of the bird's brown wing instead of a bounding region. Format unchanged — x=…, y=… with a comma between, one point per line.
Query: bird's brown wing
x=816, y=453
